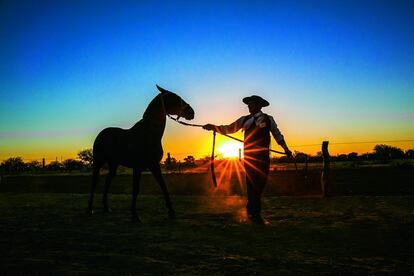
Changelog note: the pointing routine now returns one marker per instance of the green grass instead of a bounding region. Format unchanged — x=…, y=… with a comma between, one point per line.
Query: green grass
x=50, y=234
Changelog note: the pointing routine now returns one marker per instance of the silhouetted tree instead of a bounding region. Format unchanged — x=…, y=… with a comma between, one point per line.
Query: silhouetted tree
x=189, y=160
x=341, y=157
x=54, y=166
x=86, y=156
x=13, y=165
x=352, y=156
x=33, y=166
x=385, y=152
x=72, y=164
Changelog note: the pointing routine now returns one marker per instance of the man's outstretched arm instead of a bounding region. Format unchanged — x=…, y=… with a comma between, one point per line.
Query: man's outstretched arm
x=226, y=129
x=279, y=137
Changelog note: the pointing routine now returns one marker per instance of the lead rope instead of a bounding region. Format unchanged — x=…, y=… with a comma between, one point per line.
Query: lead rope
x=228, y=136
x=213, y=174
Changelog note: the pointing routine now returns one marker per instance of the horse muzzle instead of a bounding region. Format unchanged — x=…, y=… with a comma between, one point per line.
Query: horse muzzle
x=188, y=113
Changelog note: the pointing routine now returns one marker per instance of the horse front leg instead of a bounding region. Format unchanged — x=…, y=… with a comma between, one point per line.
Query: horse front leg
x=156, y=171
x=135, y=190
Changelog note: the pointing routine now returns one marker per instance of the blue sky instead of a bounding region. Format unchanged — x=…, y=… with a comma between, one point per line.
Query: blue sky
x=337, y=70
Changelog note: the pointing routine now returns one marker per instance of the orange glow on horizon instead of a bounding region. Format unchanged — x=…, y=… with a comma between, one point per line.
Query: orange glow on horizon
x=182, y=141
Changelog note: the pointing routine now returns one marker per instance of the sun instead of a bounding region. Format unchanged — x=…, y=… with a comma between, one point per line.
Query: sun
x=230, y=149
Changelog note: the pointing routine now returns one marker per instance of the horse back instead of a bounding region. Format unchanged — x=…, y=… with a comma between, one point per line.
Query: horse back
x=126, y=147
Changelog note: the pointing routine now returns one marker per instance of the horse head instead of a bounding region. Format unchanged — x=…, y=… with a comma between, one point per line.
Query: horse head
x=175, y=105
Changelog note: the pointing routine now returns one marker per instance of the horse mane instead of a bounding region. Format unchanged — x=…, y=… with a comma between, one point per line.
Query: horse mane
x=152, y=107
x=151, y=112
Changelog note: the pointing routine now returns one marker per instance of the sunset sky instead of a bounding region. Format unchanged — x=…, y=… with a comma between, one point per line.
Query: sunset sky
x=341, y=71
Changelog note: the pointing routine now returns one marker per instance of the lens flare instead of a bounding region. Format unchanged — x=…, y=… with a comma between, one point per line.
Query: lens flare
x=230, y=149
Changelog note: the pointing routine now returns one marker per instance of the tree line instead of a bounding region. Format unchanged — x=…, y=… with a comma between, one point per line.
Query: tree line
x=14, y=165
x=380, y=152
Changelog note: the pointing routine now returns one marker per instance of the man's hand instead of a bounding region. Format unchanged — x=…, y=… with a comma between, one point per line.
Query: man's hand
x=285, y=147
x=209, y=127
x=288, y=153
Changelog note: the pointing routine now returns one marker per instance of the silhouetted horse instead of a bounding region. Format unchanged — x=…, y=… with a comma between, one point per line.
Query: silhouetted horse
x=138, y=148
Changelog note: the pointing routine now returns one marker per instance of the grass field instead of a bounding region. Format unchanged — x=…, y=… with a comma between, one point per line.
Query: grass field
x=345, y=182
x=45, y=233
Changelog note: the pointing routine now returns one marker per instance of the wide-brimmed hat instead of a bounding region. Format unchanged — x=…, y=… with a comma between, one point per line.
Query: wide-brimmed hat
x=256, y=99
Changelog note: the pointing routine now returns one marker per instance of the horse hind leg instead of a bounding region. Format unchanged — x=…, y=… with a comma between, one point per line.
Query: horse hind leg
x=96, y=167
x=135, y=192
x=111, y=174
x=156, y=171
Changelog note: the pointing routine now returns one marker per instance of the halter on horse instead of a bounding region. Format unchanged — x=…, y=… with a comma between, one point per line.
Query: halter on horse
x=138, y=148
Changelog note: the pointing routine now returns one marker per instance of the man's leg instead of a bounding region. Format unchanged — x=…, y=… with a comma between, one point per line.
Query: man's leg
x=251, y=193
x=256, y=177
x=264, y=173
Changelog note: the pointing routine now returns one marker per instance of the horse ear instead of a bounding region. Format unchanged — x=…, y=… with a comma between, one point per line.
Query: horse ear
x=162, y=90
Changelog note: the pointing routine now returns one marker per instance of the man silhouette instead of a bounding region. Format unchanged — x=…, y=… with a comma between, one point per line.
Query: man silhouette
x=256, y=127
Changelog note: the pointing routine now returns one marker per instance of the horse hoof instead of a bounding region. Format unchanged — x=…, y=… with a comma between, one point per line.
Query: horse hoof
x=90, y=212
x=107, y=210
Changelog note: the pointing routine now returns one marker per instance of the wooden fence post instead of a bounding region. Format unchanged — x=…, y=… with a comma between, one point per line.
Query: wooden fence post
x=325, y=178
x=168, y=162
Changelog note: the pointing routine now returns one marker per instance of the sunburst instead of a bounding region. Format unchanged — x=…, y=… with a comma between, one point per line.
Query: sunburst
x=230, y=149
